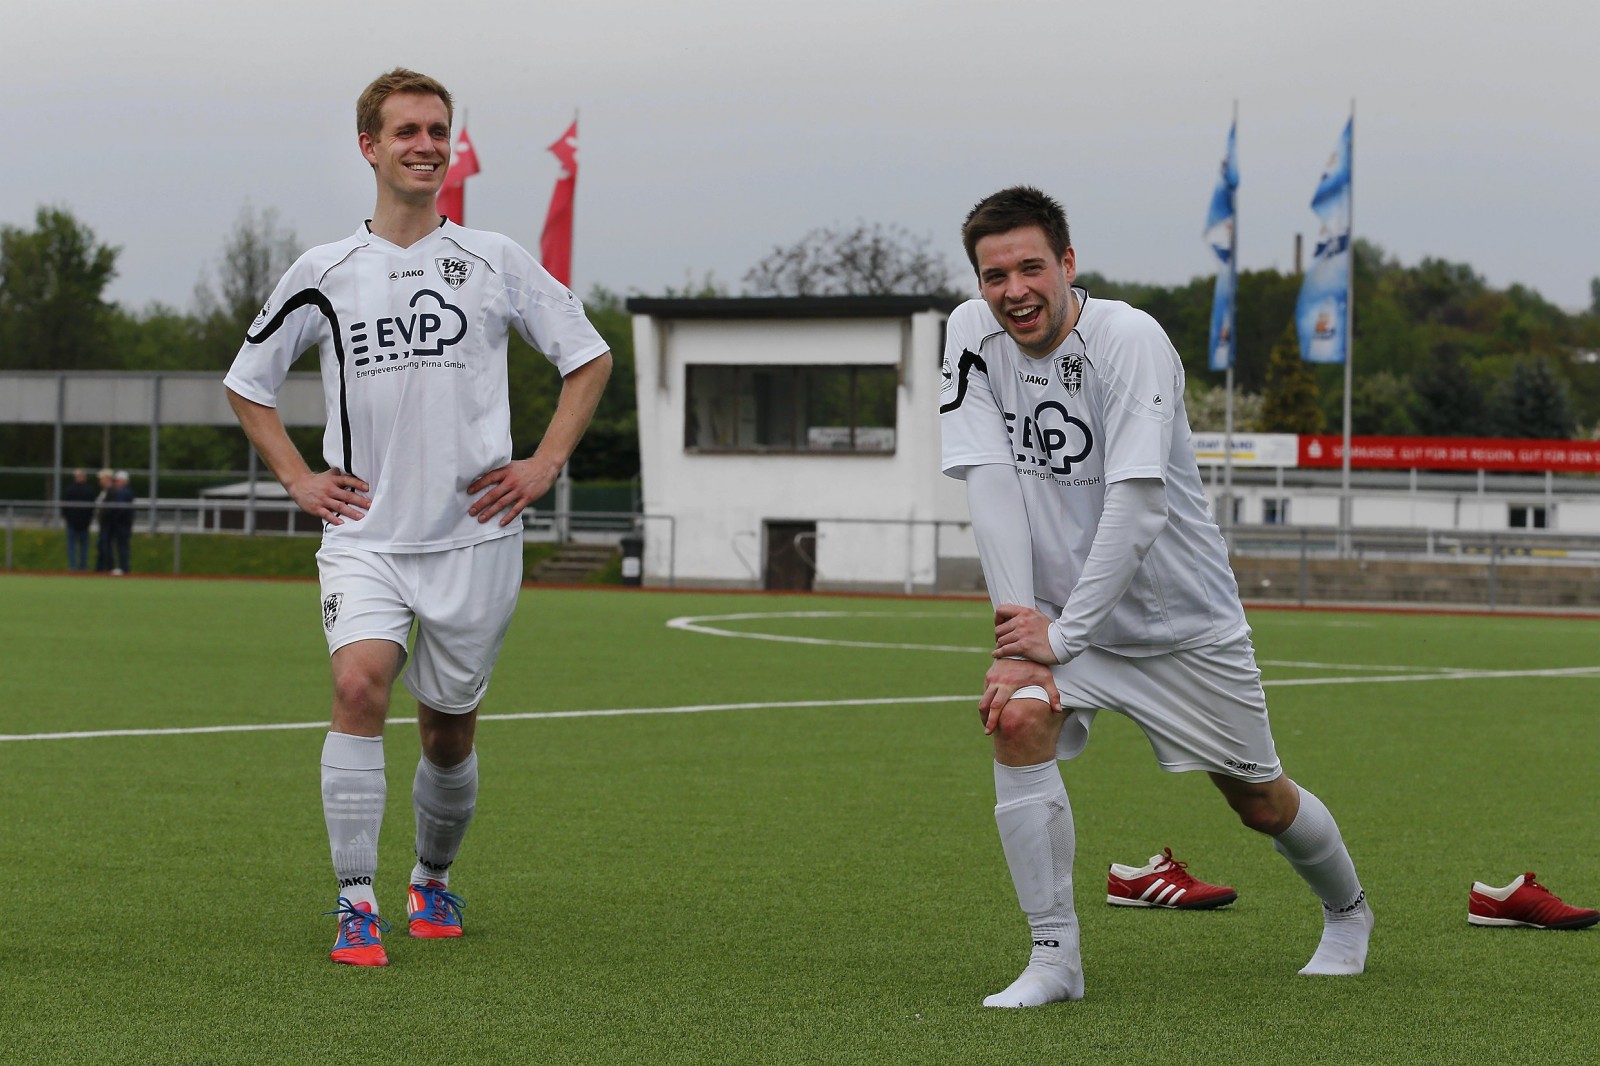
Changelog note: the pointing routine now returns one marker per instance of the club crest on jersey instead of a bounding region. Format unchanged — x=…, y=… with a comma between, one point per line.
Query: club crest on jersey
x=454, y=271
x=1070, y=367
x=330, y=610
x=947, y=378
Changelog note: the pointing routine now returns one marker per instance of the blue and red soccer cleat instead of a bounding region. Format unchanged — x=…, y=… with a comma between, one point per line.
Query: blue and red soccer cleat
x=360, y=941
x=435, y=911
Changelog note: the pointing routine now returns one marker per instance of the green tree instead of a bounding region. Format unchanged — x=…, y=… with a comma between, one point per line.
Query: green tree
x=1381, y=404
x=53, y=315
x=1291, y=401
x=1447, y=400
x=1533, y=402
x=871, y=259
x=254, y=256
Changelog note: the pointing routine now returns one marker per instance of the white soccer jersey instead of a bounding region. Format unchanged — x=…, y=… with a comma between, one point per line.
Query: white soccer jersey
x=1106, y=406
x=413, y=345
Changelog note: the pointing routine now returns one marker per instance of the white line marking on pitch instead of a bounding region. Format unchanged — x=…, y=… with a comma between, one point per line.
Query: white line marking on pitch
x=696, y=624
x=700, y=708
x=525, y=716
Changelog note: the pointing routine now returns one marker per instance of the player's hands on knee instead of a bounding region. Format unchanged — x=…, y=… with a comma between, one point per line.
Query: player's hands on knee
x=1022, y=631
x=1003, y=680
x=332, y=496
x=507, y=490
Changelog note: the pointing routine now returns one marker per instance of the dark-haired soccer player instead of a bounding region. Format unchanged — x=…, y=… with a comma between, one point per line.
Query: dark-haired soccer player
x=421, y=501
x=1064, y=415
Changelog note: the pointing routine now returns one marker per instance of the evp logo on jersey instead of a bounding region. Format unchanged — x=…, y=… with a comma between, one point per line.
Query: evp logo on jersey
x=1050, y=438
x=433, y=325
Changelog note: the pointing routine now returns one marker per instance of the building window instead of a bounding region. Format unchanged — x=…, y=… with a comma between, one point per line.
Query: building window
x=1275, y=510
x=791, y=409
x=1527, y=516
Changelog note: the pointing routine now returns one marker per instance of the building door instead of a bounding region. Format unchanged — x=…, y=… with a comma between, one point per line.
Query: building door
x=791, y=555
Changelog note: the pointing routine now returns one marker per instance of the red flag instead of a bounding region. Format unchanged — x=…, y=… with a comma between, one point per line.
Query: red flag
x=452, y=202
x=555, y=246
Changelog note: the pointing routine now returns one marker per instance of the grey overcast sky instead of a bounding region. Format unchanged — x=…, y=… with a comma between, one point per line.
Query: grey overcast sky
x=712, y=131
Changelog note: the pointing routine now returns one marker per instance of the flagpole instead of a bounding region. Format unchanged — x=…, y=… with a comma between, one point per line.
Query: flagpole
x=1347, y=517
x=1233, y=357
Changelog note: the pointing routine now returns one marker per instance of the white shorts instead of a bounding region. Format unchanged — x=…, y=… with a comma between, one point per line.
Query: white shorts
x=461, y=600
x=1201, y=708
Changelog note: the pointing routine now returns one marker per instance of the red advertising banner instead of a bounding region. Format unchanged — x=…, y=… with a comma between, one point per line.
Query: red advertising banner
x=1452, y=453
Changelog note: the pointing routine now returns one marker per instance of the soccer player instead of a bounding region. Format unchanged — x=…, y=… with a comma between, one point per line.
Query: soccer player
x=1111, y=584
x=421, y=501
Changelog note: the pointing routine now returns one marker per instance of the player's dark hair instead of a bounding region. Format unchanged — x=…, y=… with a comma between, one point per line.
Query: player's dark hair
x=1013, y=208
x=369, y=106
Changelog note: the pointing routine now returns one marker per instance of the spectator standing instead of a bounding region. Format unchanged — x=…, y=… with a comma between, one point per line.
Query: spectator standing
x=102, y=515
x=120, y=503
x=77, y=509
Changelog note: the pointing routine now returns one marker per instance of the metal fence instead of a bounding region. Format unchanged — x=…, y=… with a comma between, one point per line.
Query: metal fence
x=178, y=519
x=1502, y=570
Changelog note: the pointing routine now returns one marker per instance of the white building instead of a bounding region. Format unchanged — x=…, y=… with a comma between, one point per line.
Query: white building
x=794, y=443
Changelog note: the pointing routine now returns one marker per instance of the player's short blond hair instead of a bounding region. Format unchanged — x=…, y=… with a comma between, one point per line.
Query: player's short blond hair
x=369, y=106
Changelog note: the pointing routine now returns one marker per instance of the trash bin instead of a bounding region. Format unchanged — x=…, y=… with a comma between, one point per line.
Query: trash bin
x=633, y=559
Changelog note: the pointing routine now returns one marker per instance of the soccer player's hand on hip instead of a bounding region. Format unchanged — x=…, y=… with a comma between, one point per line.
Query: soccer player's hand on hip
x=510, y=488
x=332, y=496
x=1022, y=631
x=1003, y=680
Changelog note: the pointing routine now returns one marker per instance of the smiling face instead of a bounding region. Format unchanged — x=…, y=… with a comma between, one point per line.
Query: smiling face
x=411, y=150
x=1028, y=287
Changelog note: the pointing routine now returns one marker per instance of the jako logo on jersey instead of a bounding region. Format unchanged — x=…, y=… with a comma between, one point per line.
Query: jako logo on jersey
x=396, y=275
x=330, y=610
x=433, y=326
x=1050, y=437
x=1032, y=379
x=455, y=272
x=1070, y=367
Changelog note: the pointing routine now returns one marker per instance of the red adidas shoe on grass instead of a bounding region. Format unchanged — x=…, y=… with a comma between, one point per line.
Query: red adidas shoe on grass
x=1164, y=882
x=1527, y=903
x=360, y=941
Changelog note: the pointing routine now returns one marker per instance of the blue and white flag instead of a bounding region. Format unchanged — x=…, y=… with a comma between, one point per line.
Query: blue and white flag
x=1219, y=235
x=1322, y=313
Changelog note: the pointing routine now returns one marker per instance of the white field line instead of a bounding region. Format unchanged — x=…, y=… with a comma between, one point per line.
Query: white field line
x=700, y=708
x=525, y=716
x=696, y=624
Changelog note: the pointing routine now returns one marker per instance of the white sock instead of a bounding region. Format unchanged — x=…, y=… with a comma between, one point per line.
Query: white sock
x=353, y=794
x=1036, y=833
x=1315, y=849
x=444, y=800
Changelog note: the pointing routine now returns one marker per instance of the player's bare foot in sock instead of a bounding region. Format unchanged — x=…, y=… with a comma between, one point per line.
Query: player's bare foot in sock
x=1050, y=977
x=1343, y=949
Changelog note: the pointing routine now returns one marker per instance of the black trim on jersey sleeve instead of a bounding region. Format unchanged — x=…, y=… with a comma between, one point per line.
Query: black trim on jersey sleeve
x=315, y=298
x=969, y=359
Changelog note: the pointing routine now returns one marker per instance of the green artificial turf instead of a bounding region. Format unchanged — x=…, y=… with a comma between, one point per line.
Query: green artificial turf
x=763, y=884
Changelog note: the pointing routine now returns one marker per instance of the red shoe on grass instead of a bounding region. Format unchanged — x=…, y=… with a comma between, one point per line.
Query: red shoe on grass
x=1525, y=902
x=1164, y=882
